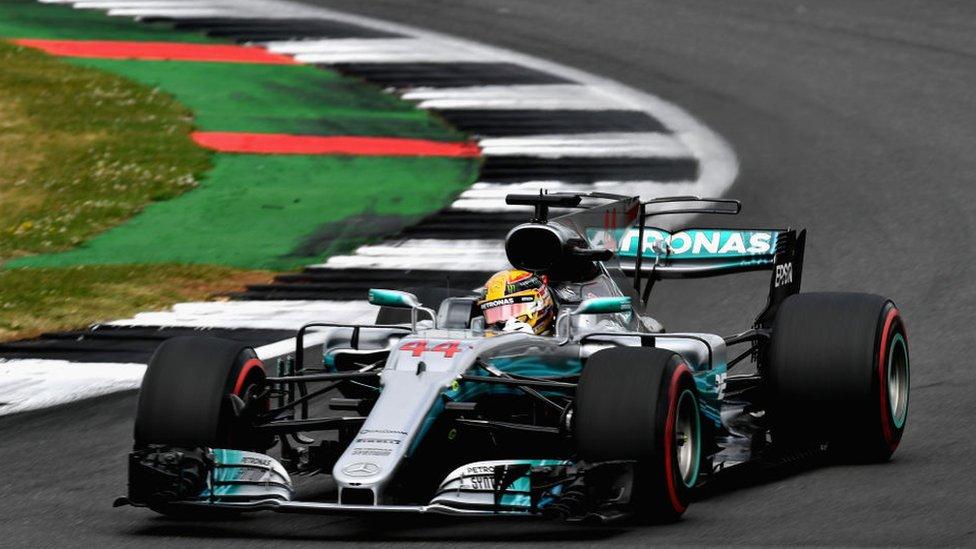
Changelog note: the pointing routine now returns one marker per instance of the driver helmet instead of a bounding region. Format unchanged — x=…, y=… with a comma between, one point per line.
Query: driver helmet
x=517, y=301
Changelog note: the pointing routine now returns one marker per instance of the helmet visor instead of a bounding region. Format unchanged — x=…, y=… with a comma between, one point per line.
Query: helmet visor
x=500, y=310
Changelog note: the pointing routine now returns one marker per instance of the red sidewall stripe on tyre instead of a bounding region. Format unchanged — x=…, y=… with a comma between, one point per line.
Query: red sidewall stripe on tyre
x=669, y=438
x=245, y=371
x=886, y=419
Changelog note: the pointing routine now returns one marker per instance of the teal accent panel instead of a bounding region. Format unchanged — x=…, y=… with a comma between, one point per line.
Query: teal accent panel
x=223, y=474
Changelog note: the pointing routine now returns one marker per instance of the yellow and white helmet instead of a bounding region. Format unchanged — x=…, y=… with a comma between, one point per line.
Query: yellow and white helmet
x=517, y=301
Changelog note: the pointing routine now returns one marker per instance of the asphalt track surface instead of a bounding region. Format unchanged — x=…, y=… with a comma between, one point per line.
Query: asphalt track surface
x=855, y=119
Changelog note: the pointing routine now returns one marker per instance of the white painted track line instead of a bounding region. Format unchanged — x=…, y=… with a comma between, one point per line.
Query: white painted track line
x=491, y=196
x=33, y=384
x=530, y=96
x=282, y=315
x=170, y=12
x=369, y=50
x=165, y=8
x=148, y=4
x=439, y=262
x=635, y=145
x=105, y=4
x=434, y=254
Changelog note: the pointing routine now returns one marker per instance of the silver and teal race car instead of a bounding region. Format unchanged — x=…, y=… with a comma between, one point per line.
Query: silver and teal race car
x=611, y=416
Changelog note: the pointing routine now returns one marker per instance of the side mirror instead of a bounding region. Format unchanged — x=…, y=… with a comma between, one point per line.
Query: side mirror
x=604, y=305
x=393, y=298
x=400, y=300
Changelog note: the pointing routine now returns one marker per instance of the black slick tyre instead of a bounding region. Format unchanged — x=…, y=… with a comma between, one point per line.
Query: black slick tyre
x=185, y=398
x=838, y=373
x=641, y=405
x=184, y=409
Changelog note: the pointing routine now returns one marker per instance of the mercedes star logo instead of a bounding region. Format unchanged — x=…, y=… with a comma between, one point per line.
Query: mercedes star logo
x=362, y=469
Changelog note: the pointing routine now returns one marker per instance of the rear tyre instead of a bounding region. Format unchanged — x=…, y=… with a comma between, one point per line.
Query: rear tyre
x=641, y=404
x=838, y=373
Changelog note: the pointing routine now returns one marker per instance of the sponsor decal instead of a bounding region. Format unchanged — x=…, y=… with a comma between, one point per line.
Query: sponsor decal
x=693, y=243
x=378, y=440
x=720, y=385
x=527, y=283
x=506, y=301
x=610, y=233
x=478, y=483
x=784, y=275
x=480, y=470
x=478, y=477
x=250, y=475
x=383, y=432
x=377, y=452
x=361, y=469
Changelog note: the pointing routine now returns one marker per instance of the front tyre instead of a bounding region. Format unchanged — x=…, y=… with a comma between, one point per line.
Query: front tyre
x=641, y=405
x=185, y=399
x=838, y=373
x=187, y=407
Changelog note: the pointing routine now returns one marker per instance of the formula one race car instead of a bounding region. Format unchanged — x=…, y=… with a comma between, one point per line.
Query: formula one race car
x=608, y=417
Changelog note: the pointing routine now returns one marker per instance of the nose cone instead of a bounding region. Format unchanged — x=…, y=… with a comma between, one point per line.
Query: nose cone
x=373, y=457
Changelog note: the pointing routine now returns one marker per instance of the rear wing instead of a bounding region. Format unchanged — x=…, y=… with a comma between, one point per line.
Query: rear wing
x=695, y=253
x=700, y=253
x=648, y=254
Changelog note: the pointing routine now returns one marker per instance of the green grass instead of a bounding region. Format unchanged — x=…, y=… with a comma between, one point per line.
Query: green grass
x=81, y=151
x=256, y=211
x=41, y=300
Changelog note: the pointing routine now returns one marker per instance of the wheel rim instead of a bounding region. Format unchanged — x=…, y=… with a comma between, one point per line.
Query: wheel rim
x=240, y=434
x=687, y=433
x=898, y=380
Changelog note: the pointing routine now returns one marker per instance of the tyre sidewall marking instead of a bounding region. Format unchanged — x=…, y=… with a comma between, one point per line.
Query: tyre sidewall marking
x=697, y=459
x=669, y=467
x=246, y=371
x=250, y=365
x=887, y=422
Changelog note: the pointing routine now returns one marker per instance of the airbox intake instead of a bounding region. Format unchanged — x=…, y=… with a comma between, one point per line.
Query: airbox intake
x=535, y=247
